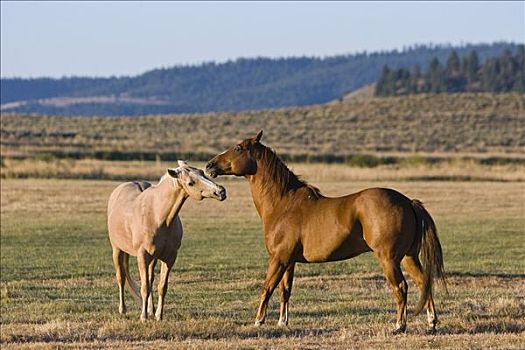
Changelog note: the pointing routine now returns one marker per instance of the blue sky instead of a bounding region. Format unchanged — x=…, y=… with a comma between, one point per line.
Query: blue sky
x=126, y=38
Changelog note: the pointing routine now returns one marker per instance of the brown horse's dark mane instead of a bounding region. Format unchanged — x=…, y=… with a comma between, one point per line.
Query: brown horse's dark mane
x=280, y=175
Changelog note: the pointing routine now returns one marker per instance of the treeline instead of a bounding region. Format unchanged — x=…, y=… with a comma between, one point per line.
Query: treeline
x=238, y=85
x=505, y=73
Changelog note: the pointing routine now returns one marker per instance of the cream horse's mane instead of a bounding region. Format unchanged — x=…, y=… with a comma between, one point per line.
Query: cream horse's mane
x=163, y=177
x=166, y=175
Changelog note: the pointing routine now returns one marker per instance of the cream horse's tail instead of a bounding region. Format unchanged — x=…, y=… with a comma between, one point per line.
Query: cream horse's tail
x=133, y=286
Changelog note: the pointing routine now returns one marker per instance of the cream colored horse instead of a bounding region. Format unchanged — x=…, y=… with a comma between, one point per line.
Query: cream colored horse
x=143, y=221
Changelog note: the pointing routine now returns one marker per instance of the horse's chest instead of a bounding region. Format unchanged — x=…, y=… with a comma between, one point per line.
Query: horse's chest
x=163, y=242
x=282, y=234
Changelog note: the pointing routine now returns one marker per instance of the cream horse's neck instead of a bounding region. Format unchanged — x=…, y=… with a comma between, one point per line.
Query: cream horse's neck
x=168, y=198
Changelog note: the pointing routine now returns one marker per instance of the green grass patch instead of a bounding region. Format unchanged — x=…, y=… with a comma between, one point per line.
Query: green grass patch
x=58, y=284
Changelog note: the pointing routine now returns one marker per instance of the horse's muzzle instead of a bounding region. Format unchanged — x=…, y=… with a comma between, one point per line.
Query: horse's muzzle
x=221, y=194
x=211, y=169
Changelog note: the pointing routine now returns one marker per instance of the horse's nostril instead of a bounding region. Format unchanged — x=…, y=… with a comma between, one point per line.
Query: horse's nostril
x=209, y=165
x=221, y=193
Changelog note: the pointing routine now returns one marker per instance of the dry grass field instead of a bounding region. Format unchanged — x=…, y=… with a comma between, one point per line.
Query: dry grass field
x=57, y=283
x=411, y=168
x=58, y=288
x=486, y=124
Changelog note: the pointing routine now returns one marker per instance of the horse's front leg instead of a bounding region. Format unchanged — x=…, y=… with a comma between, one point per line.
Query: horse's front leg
x=275, y=272
x=163, y=286
x=286, y=291
x=143, y=261
x=151, y=275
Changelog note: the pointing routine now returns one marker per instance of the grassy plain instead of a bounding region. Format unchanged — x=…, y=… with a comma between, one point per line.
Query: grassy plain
x=410, y=168
x=58, y=287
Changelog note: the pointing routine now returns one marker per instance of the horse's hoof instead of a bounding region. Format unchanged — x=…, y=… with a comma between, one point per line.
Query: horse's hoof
x=282, y=323
x=399, y=330
x=258, y=323
x=431, y=331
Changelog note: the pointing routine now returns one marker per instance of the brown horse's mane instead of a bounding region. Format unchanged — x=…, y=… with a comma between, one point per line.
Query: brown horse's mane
x=280, y=175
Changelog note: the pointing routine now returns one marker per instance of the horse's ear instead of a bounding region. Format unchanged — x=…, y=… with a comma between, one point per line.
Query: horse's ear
x=173, y=172
x=257, y=137
x=182, y=163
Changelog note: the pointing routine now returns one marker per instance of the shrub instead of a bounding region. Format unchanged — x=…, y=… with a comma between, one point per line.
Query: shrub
x=363, y=161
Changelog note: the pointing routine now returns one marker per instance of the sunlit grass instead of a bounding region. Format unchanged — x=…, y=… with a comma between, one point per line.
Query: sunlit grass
x=58, y=284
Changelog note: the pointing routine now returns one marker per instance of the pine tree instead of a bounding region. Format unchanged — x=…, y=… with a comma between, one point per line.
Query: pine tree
x=434, y=79
x=472, y=72
x=519, y=81
x=489, y=75
x=454, y=80
x=402, y=79
x=453, y=65
x=508, y=70
x=415, y=80
x=381, y=88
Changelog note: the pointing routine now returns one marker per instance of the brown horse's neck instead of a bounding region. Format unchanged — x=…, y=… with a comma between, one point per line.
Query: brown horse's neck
x=262, y=203
x=273, y=183
x=168, y=198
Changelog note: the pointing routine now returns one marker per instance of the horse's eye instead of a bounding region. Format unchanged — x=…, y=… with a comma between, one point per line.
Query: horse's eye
x=238, y=149
x=190, y=183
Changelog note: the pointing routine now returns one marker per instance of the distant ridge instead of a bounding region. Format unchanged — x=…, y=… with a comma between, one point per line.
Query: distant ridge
x=366, y=92
x=240, y=85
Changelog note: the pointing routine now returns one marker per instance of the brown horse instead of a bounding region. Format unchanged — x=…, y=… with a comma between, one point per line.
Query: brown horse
x=302, y=225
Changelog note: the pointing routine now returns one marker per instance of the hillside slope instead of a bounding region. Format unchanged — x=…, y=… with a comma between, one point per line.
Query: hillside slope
x=456, y=123
x=244, y=84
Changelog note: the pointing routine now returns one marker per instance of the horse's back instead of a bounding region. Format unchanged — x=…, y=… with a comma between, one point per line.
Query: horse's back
x=125, y=193
x=121, y=205
x=387, y=196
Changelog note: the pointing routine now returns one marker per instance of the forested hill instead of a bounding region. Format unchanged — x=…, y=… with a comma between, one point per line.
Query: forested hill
x=243, y=84
x=504, y=73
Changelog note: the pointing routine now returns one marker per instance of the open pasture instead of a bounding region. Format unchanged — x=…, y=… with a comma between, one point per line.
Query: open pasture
x=58, y=283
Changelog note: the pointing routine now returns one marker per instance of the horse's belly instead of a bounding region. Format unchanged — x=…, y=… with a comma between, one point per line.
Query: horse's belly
x=336, y=255
x=119, y=233
x=334, y=247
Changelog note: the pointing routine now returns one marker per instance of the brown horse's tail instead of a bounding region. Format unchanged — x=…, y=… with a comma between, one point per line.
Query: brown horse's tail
x=133, y=286
x=431, y=253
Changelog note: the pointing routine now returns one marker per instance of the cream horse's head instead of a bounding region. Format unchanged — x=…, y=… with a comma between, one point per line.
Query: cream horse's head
x=195, y=183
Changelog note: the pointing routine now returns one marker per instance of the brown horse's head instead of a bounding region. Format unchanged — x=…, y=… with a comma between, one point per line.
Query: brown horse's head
x=238, y=160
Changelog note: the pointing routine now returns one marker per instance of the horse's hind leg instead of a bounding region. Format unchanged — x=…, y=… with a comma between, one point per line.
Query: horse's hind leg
x=399, y=286
x=118, y=261
x=151, y=273
x=412, y=266
x=286, y=291
x=143, y=261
